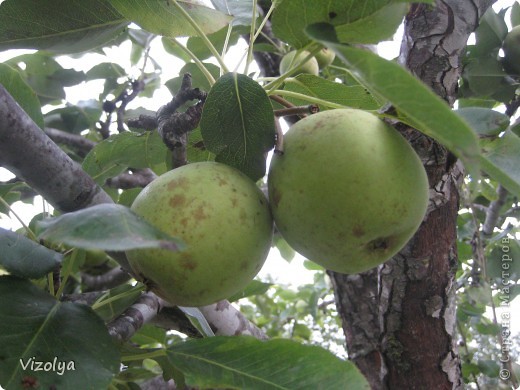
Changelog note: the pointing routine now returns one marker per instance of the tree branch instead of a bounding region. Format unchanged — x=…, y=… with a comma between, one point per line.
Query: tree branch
x=81, y=144
x=226, y=320
x=493, y=212
x=134, y=317
x=30, y=154
x=110, y=279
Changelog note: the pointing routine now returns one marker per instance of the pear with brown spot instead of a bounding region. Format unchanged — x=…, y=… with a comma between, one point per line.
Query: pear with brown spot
x=223, y=218
x=348, y=192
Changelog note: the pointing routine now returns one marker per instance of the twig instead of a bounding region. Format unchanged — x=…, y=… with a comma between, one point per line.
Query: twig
x=278, y=147
x=112, y=278
x=173, y=318
x=78, y=142
x=125, y=98
x=282, y=101
x=297, y=110
x=174, y=126
x=493, y=212
x=135, y=179
x=31, y=155
x=109, y=106
x=87, y=298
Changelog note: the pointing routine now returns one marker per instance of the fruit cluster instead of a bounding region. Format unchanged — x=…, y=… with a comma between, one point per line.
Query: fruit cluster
x=312, y=65
x=348, y=193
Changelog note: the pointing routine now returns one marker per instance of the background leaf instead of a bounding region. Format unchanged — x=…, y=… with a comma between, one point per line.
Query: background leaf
x=198, y=320
x=237, y=124
x=355, y=96
x=60, y=26
x=45, y=75
x=112, y=156
x=355, y=21
x=256, y=287
x=116, y=301
x=425, y=110
x=34, y=324
x=484, y=121
x=13, y=82
x=247, y=363
x=161, y=17
x=375, y=27
x=109, y=227
x=75, y=118
x=218, y=39
x=501, y=159
x=25, y=258
x=241, y=10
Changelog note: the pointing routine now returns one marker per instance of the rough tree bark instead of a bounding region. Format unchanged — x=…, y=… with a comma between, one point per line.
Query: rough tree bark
x=399, y=320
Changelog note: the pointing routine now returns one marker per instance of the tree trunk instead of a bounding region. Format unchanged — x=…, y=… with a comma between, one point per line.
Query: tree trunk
x=399, y=320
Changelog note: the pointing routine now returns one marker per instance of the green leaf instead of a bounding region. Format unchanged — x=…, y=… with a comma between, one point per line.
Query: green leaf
x=355, y=96
x=286, y=251
x=501, y=263
x=197, y=46
x=426, y=111
x=355, y=21
x=60, y=26
x=312, y=266
x=174, y=49
x=112, y=156
x=11, y=192
x=105, y=70
x=162, y=17
x=45, y=75
x=33, y=325
x=471, y=310
x=198, y=79
x=116, y=300
x=486, y=78
x=256, y=287
x=247, y=363
x=373, y=28
x=109, y=227
x=489, y=34
x=241, y=10
x=196, y=149
x=150, y=335
x=13, y=82
x=198, y=320
x=485, y=122
x=489, y=368
x=515, y=15
x=237, y=124
x=501, y=158
x=25, y=258
x=74, y=119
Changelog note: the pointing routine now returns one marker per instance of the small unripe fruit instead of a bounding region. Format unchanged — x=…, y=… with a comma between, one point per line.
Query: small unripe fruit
x=325, y=57
x=511, y=48
x=293, y=59
x=348, y=192
x=223, y=218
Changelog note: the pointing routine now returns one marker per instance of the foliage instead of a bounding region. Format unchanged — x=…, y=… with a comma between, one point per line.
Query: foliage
x=50, y=260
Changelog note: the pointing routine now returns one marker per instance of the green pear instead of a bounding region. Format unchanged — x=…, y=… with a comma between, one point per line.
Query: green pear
x=294, y=58
x=224, y=220
x=325, y=57
x=511, y=48
x=348, y=192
